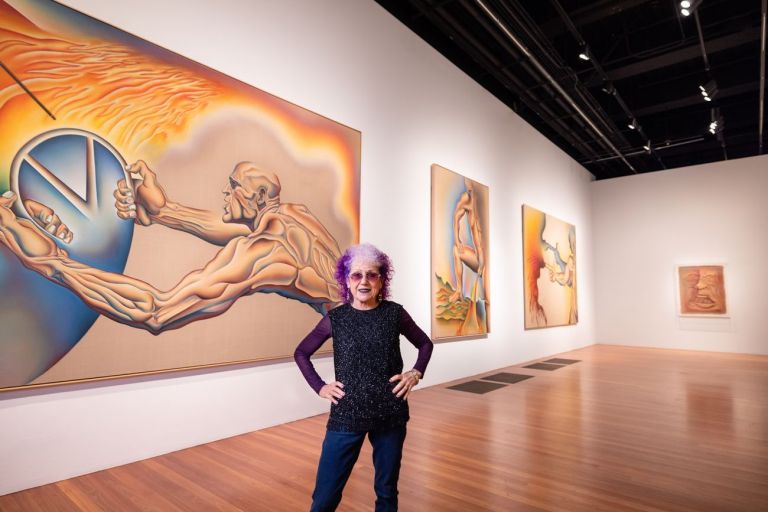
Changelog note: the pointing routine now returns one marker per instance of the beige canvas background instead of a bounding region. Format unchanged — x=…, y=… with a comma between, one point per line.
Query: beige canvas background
x=257, y=327
x=555, y=299
x=445, y=183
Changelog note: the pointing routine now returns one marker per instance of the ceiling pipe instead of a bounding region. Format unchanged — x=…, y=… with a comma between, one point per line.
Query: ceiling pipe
x=701, y=40
x=658, y=147
x=679, y=22
x=601, y=72
x=553, y=83
x=531, y=71
x=472, y=47
x=529, y=27
x=762, y=78
x=720, y=135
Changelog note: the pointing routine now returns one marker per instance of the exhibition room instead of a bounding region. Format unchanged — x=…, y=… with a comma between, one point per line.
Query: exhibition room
x=462, y=255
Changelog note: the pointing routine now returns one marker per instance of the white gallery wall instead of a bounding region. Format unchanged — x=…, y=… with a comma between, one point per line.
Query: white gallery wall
x=351, y=61
x=645, y=225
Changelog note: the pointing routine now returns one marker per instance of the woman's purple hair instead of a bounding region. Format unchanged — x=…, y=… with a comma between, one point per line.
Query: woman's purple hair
x=368, y=253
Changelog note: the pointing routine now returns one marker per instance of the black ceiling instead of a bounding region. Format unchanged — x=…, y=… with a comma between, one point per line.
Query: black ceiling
x=646, y=64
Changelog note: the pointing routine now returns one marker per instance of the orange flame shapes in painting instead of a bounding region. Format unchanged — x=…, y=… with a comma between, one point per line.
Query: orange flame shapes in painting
x=141, y=101
x=533, y=261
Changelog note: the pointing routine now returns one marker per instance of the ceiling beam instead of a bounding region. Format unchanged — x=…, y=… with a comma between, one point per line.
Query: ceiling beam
x=677, y=56
x=694, y=99
x=591, y=14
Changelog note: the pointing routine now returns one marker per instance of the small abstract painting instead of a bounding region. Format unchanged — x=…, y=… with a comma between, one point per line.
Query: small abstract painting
x=549, y=268
x=701, y=290
x=460, y=249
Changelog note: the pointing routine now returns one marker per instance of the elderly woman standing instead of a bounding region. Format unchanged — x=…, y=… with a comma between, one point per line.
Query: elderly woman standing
x=370, y=391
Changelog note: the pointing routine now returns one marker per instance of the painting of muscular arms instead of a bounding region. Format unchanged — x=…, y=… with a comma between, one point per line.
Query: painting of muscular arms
x=155, y=214
x=460, y=249
x=549, y=268
x=701, y=290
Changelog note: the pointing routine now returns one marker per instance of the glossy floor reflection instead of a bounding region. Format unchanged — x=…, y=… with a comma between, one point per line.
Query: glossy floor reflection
x=625, y=429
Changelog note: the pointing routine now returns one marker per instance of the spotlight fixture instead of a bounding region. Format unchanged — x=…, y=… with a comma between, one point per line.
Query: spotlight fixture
x=688, y=6
x=717, y=123
x=647, y=146
x=584, y=53
x=632, y=125
x=608, y=88
x=709, y=90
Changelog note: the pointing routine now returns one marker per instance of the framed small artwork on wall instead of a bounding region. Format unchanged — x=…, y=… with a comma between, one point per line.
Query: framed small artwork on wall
x=701, y=290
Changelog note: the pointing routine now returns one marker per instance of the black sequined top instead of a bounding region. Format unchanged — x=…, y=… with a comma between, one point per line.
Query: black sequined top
x=366, y=346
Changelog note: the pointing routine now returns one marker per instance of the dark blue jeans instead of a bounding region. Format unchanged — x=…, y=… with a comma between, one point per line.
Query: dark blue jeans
x=340, y=451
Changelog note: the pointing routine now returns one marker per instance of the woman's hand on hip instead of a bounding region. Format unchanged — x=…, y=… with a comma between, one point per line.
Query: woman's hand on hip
x=407, y=381
x=332, y=391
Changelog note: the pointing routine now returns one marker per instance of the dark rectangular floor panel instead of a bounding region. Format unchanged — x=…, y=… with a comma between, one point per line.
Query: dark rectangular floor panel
x=558, y=360
x=507, y=378
x=477, y=386
x=544, y=366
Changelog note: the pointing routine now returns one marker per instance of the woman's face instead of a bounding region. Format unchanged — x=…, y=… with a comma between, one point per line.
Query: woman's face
x=364, y=282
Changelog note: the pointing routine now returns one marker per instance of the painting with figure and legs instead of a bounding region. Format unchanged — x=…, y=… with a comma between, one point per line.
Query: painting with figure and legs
x=155, y=214
x=549, y=270
x=460, y=251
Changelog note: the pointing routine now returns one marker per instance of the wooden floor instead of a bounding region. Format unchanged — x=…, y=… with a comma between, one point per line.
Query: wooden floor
x=624, y=429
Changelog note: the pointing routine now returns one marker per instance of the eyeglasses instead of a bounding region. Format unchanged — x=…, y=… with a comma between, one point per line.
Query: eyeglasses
x=356, y=277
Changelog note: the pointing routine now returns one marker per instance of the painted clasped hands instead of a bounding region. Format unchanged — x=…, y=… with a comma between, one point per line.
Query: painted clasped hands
x=142, y=198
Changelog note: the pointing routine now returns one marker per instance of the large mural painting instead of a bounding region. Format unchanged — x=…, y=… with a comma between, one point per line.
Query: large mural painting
x=549, y=268
x=155, y=214
x=460, y=251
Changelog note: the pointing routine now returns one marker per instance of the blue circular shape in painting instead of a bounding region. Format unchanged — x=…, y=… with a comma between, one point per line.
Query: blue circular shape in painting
x=73, y=172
